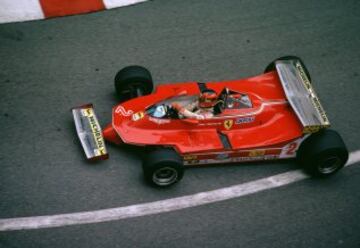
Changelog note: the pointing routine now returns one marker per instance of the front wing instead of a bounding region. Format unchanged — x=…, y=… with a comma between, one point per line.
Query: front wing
x=89, y=132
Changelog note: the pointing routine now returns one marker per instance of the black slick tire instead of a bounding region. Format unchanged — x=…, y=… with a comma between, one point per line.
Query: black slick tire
x=323, y=153
x=133, y=81
x=163, y=167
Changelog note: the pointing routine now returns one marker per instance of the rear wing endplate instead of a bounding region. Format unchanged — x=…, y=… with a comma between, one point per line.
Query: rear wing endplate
x=89, y=131
x=301, y=95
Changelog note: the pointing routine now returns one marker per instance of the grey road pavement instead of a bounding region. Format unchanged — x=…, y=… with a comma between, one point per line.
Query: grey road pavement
x=47, y=67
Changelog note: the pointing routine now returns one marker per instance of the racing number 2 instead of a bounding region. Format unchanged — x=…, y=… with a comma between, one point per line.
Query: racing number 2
x=292, y=148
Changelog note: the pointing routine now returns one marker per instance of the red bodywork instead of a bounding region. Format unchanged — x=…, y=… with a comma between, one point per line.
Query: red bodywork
x=269, y=129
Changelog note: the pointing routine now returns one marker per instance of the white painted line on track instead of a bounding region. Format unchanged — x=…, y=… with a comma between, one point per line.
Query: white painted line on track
x=112, y=214
x=353, y=158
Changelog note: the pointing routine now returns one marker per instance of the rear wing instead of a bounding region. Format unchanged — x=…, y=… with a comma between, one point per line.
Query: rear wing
x=89, y=131
x=301, y=95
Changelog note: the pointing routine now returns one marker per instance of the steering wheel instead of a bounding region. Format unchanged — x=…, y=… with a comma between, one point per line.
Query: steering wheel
x=171, y=112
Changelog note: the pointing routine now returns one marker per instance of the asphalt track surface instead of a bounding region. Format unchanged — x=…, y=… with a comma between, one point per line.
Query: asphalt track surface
x=47, y=67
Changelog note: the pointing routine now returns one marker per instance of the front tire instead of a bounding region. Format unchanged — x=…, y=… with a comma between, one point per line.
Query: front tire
x=323, y=153
x=163, y=167
x=133, y=81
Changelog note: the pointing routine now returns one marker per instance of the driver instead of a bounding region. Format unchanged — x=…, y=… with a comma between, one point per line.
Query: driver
x=201, y=109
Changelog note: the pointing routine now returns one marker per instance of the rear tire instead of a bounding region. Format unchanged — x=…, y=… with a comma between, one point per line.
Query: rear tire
x=323, y=153
x=163, y=167
x=133, y=81
x=271, y=66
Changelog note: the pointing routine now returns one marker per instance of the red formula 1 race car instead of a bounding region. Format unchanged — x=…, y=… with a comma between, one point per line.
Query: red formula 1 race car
x=276, y=115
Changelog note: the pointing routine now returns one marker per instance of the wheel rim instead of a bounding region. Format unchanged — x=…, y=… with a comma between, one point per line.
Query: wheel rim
x=329, y=165
x=165, y=176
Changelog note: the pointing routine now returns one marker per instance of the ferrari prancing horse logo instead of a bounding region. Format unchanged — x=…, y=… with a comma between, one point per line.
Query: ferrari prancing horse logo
x=228, y=124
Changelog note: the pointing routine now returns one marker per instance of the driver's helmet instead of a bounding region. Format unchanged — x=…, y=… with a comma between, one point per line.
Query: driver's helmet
x=208, y=99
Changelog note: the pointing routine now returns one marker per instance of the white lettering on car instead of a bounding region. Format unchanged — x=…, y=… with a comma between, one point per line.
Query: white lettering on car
x=121, y=110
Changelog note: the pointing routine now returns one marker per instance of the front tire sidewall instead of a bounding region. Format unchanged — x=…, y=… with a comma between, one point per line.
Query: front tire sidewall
x=130, y=79
x=326, y=163
x=164, y=174
x=163, y=167
x=323, y=154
